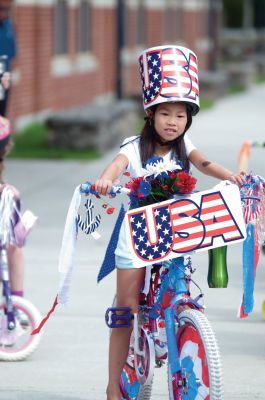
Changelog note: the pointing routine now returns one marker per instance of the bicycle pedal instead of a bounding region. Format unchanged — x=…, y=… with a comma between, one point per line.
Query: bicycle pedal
x=118, y=317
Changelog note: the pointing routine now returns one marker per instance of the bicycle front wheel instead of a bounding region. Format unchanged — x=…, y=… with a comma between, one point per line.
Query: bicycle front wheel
x=200, y=376
x=18, y=344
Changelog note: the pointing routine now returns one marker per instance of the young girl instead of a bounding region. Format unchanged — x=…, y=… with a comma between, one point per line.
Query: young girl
x=171, y=98
x=15, y=254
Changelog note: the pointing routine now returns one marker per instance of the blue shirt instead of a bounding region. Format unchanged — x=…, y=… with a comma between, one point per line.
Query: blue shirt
x=7, y=41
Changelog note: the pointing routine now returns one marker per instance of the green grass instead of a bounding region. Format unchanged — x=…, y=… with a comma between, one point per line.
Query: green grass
x=235, y=89
x=260, y=79
x=32, y=142
x=205, y=104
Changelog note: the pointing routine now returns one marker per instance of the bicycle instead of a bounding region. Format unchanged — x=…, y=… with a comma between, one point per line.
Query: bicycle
x=18, y=316
x=170, y=324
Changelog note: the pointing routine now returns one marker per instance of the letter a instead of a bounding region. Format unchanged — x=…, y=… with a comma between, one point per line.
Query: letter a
x=218, y=219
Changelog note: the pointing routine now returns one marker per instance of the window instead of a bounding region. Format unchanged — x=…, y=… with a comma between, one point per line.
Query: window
x=61, y=27
x=179, y=21
x=169, y=24
x=141, y=24
x=84, y=26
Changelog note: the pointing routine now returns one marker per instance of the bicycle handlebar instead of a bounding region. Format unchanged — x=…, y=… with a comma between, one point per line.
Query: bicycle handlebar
x=88, y=188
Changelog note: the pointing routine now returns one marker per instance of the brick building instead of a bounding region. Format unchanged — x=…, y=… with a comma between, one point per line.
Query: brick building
x=70, y=52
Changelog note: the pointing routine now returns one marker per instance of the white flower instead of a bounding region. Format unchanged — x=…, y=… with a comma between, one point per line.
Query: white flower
x=159, y=167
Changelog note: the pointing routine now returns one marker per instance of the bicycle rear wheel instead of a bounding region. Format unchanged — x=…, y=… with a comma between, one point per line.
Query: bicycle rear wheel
x=18, y=344
x=201, y=371
x=130, y=386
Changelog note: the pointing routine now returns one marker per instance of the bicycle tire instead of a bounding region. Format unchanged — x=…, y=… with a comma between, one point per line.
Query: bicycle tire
x=130, y=387
x=199, y=359
x=19, y=344
x=145, y=391
x=143, y=364
x=263, y=309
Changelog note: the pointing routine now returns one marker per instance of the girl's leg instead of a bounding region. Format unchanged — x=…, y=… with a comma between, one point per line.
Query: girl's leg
x=16, y=269
x=129, y=282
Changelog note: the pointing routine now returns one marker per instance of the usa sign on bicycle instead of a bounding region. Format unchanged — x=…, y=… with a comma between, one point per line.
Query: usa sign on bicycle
x=197, y=222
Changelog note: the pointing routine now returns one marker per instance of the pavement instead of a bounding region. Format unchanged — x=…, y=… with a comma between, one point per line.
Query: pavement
x=71, y=361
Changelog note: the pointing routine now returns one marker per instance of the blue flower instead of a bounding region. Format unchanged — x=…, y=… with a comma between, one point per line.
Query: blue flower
x=144, y=188
x=153, y=160
x=134, y=201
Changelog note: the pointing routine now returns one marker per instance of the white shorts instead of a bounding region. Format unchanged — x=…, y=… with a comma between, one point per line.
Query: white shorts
x=123, y=256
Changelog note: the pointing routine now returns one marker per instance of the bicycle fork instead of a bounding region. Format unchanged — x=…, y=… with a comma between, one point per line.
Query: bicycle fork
x=11, y=323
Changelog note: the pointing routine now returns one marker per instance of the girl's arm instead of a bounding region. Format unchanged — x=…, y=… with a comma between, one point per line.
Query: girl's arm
x=112, y=172
x=213, y=169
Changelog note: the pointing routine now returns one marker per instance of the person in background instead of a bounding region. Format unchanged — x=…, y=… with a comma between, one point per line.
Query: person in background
x=7, y=52
x=14, y=253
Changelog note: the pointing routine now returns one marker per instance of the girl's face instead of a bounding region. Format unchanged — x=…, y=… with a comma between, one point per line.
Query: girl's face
x=170, y=120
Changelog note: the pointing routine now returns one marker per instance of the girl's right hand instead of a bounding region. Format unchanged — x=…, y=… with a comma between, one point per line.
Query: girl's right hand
x=103, y=186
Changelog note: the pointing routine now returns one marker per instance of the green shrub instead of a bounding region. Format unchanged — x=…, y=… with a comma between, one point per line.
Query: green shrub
x=32, y=142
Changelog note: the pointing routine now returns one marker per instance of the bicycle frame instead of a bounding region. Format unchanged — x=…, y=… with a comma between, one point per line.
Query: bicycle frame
x=169, y=290
x=175, y=284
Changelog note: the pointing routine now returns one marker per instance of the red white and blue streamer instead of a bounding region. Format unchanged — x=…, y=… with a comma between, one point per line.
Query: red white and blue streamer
x=253, y=195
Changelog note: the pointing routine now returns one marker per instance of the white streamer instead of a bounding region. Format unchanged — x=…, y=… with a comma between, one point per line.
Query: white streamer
x=66, y=261
x=6, y=216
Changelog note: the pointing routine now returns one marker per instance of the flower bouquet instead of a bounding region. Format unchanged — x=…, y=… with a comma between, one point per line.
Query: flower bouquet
x=161, y=181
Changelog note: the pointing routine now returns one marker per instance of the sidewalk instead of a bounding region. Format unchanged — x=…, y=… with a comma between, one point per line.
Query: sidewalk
x=71, y=362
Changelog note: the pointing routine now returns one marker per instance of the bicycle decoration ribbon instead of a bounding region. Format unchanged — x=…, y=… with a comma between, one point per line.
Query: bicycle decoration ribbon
x=6, y=216
x=253, y=194
x=66, y=257
x=169, y=229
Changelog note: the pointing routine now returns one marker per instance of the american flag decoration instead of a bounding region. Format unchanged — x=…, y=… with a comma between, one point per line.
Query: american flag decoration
x=169, y=73
x=253, y=208
x=169, y=229
x=254, y=211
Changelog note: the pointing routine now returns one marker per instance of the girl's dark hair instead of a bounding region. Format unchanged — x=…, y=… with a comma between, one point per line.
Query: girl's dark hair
x=148, y=140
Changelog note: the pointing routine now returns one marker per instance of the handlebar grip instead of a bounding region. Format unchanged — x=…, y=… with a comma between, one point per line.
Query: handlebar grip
x=88, y=188
x=119, y=189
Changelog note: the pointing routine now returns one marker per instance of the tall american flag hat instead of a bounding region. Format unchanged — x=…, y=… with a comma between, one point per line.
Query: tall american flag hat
x=169, y=74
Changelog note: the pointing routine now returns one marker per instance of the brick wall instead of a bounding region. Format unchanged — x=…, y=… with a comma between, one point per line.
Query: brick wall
x=42, y=84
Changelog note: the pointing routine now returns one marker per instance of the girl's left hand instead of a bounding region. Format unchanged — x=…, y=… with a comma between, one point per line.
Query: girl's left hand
x=238, y=179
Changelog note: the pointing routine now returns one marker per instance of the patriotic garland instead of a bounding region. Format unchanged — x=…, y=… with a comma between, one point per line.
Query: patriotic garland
x=253, y=204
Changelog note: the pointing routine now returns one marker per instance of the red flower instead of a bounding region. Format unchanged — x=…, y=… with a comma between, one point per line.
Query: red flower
x=185, y=182
x=133, y=185
x=171, y=174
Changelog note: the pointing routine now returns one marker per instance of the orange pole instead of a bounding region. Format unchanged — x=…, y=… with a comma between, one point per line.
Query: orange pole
x=244, y=156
